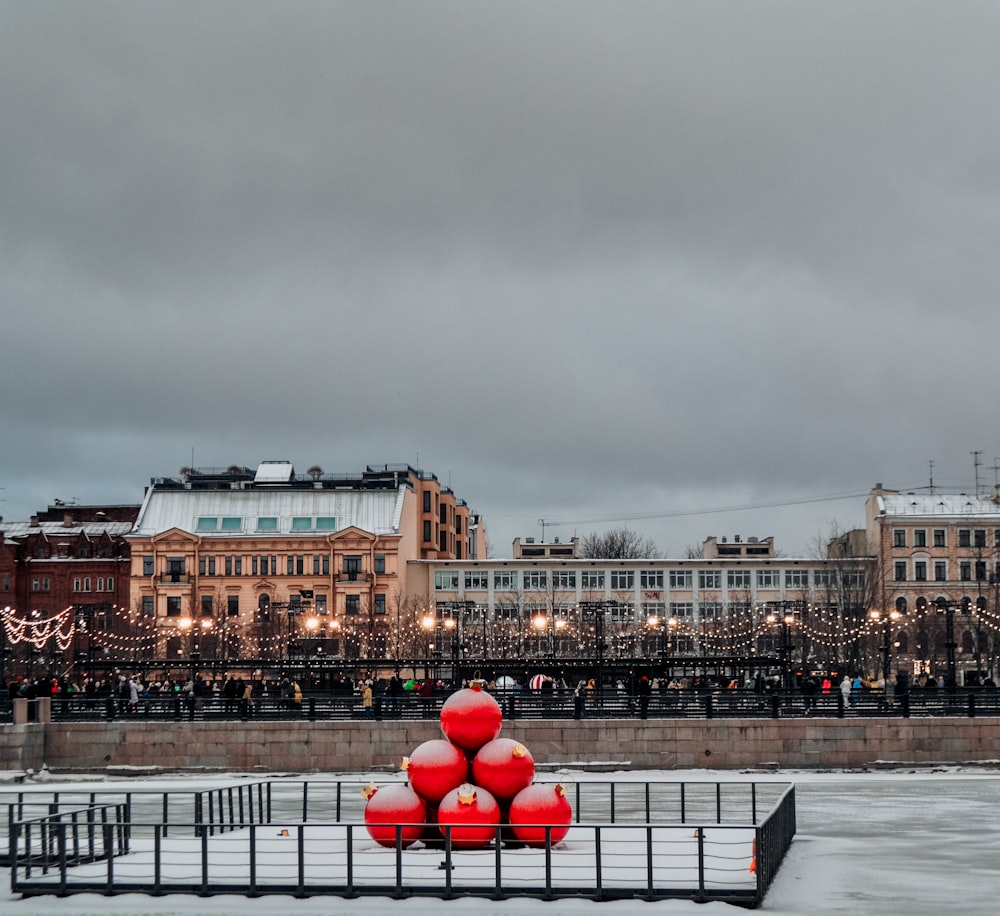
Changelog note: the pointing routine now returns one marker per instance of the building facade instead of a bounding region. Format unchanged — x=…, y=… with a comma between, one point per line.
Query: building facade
x=65, y=574
x=939, y=557
x=269, y=564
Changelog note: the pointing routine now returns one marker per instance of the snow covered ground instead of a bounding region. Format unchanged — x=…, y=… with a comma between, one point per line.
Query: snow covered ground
x=916, y=842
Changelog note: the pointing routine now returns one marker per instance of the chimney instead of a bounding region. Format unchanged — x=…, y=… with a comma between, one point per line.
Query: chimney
x=67, y=520
x=34, y=521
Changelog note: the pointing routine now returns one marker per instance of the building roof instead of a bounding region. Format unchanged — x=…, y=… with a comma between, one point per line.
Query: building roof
x=56, y=530
x=939, y=505
x=374, y=511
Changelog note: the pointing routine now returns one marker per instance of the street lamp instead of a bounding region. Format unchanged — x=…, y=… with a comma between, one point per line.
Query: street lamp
x=945, y=607
x=665, y=628
x=787, y=620
x=887, y=621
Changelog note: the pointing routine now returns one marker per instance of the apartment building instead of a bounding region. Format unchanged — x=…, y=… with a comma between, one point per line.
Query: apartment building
x=268, y=563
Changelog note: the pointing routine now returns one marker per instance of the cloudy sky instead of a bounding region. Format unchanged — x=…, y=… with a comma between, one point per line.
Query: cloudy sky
x=641, y=263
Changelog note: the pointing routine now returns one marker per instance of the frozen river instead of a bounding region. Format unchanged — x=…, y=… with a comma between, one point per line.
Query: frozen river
x=921, y=843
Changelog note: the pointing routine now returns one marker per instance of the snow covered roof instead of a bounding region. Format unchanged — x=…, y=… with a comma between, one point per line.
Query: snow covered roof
x=56, y=530
x=231, y=513
x=939, y=505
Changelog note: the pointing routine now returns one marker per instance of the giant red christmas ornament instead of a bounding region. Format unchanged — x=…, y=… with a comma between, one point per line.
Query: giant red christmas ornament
x=435, y=768
x=503, y=767
x=390, y=806
x=470, y=717
x=538, y=806
x=472, y=814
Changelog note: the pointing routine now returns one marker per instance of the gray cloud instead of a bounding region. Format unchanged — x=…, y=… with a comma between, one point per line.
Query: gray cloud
x=588, y=259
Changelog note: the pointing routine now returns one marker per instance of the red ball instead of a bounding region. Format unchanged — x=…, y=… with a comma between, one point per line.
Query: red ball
x=391, y=806
x=503, y=767
x=470, y=717
x=435, y=768
x=537, y=807
x=472, y=814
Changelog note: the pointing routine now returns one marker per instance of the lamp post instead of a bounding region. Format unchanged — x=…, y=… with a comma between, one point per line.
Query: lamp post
x=665, y=628
x=428, y=622
x=945, y=607
x=597, y=610
x=787, y=621
x=195, y=632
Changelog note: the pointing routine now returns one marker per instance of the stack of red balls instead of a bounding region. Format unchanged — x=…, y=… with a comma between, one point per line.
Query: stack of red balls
x=470, y=781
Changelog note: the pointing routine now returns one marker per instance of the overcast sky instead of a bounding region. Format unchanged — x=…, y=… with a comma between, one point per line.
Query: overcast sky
x=584, y=261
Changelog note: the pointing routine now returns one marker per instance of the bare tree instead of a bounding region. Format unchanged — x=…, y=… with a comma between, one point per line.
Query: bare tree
x=618, y=544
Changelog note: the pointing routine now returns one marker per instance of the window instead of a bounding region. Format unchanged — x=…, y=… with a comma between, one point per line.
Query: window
x=593, y=579
x=321, y=604
x=316, y=564
x=651, y=579
x=709, y=578
x=622, y=580
x=207, y=523
x=446, y=579
x=290, y=565
x=77, y=582
x=655, y=609
x=233, y=606
x=267, y=523
x=100, y=584
x=768, y=578
x=173, y=606
x=380, y=605
x=380, y=564
x=711, y=610
x=300, y=564
x=979, y=537
x=201, y=566
x=898, y=537
x=980, y=570
x=427, y=502
x=427, y=530
x=940, y=570
x=796, y=578
x=920, y=571
x=206, y=606
x=823, y=578
x=920, y=537
x=211, y=566
x=964, y=537
x=477, y=580
x=326, y=523
x=302, y=523
x=680, y=578
x=6, y=583
x=352, y=568
x=965, y=571
x=232, y=524
x=86, y=584
x=148, y=608
x=353, y=605
x=229, y=566
x=682, y=610
x=899, y=571
x=505, y=580
x=536, y=579
x=939, y=538
x=738, y=578
x=147, y=566
x=563, y=580
x=175, y=568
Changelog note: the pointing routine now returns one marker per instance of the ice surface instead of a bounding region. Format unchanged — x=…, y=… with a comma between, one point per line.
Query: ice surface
x=920, y=843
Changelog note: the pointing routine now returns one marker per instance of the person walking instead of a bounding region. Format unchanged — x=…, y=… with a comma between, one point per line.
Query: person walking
x=580, y=701
x=846, y=687
x=367, y=698
x=644, y=690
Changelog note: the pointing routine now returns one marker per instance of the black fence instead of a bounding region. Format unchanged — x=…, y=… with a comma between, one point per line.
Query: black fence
x=688, y=703
x=651, y=841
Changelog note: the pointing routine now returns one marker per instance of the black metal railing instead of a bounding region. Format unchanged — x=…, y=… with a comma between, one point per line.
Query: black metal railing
x=653, y=841
x=672, y=704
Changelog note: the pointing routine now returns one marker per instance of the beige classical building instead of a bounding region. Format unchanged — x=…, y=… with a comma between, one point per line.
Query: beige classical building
x=267, y=563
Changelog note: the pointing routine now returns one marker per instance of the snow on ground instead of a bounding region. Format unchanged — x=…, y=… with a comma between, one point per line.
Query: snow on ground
x=918, y=842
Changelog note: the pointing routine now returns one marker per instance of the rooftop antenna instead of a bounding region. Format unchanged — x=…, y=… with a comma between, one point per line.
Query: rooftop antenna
x=931, y=466
x=975, y=466
x=996, y=471
x=541, y=522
